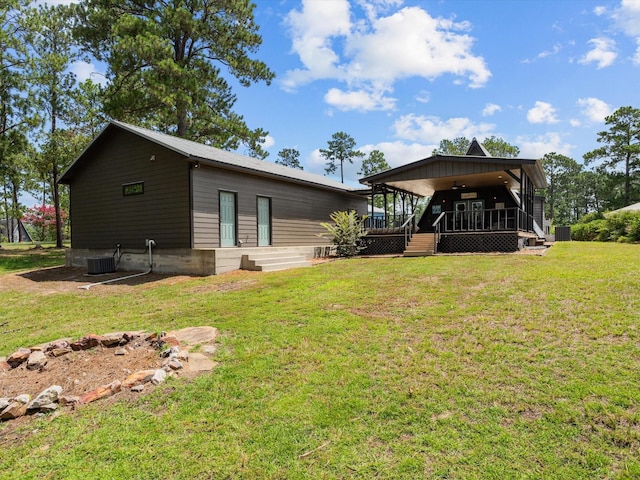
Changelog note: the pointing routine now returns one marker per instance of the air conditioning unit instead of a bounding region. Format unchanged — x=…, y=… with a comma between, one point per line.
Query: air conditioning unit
x=98, y=265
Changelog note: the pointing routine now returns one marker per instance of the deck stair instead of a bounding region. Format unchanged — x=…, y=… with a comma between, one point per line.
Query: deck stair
x=421, y=245
x=272, y=261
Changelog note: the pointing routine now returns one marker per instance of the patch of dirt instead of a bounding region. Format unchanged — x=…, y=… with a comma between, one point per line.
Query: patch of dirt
x=80, y=372
x=47, y=281
x=70, y=279
x=77, y=373
x=83, y=371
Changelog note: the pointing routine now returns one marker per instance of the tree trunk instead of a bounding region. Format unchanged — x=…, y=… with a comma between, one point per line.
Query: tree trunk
x=15, y=210
x=56, y=204
x=6, y=211
x=54, y=176
x=627, y=179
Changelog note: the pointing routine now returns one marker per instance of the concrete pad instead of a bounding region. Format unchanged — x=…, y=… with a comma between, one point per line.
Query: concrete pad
x=199, y=362
x=195, y=335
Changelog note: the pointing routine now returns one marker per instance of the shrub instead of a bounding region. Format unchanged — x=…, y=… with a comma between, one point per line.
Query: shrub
x=590, y=217
x=345, y=232
x=587, y=232
x=623, y=227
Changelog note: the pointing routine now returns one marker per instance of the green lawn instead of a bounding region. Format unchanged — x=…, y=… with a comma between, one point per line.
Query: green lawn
x=466, y=367
x=16, y=257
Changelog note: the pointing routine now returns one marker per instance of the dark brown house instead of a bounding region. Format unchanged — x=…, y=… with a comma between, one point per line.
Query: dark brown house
x=206, y=209
x=477, y=203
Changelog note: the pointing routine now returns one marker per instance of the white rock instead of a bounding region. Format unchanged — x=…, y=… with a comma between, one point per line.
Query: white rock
x=36, y=360
x=24, y=398
x=49, y=407
x=46, y=397
x=158, y=377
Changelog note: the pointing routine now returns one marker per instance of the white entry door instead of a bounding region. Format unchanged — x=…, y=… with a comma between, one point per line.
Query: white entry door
x=264, y=221
x=227, y=219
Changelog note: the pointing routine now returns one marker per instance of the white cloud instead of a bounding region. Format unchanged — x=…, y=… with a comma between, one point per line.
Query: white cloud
x=627, y=17
x=600, y=10
x=395, y=153
x=373, y=8
x=400, y=153
x=359, y=100
x=269, y=142
x=490, y=109
x=433, y=129
x=370, y=55
x=594, y=109
x=412, y=43
x=84, y=71
x=603, y=52
x=312, y=30
x=547, y=53
x=423, y=96
x=574, y=122
x=542, y=112
x=537, y=147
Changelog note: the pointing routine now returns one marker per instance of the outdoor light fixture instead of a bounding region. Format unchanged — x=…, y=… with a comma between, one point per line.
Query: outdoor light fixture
x=153, y=158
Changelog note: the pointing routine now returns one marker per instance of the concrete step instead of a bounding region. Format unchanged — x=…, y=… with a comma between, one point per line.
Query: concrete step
x=258, y=256
x=272, y=267
x=269, y=262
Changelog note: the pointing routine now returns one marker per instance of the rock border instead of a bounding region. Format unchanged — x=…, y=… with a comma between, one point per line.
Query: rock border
x=168, y=345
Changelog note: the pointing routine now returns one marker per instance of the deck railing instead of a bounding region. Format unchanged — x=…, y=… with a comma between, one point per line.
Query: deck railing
x=389, y=224
x=485, y=220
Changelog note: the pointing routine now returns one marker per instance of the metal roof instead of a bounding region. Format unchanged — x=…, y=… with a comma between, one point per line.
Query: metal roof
x=208, y=155
x=408, y=177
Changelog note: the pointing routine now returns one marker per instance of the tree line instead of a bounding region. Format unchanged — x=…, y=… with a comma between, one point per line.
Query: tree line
x=167, y=67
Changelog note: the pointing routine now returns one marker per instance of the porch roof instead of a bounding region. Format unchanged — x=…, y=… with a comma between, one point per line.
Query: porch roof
x=446, y=172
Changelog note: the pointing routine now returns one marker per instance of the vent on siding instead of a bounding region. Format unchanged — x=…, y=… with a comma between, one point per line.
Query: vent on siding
x=98, y=265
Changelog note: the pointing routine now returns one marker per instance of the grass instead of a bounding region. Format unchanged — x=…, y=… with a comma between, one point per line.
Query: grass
x=474, y=367
x=25, y=256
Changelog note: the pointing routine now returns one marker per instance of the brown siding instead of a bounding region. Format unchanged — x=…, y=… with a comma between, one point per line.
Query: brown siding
x=442, y=168
x=296, y=210
x=538, y=211
x=102, y=217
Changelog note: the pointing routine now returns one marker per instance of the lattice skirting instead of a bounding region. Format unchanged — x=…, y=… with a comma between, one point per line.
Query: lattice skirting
x=490, y=242
x=382, y=245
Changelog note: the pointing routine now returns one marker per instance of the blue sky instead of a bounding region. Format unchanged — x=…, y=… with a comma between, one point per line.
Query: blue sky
x=399, y=76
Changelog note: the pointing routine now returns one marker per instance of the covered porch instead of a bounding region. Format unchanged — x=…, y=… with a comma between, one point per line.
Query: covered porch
x=475, y=202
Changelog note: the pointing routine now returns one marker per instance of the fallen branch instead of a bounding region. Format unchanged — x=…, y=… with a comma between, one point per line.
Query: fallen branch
x=311, y=452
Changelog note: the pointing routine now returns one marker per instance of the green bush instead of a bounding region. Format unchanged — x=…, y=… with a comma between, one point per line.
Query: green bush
x=634, y=229
x=590, y=217
x=623, y=227
x=345, y=232
x=587, y=232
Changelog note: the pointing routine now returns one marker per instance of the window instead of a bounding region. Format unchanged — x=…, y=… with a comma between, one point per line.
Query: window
x=129, y=189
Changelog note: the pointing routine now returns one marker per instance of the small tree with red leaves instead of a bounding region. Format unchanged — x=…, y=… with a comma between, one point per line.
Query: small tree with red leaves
x=42, y=222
